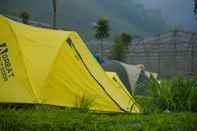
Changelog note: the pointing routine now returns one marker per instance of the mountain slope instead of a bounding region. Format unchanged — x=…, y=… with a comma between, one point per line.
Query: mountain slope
x=80, y=15
x=176, y=12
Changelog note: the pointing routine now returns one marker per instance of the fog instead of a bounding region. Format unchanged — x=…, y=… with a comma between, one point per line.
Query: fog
x=176, y=12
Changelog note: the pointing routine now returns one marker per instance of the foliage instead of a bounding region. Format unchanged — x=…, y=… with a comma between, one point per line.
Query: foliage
x=102, y=30
x=193, y=99
x=195, y=6
x=118, y=51
x=126, y=39
x=177, y=94
x=120, y=46
x=44, y=119
x=25, y=16
x=85, y=103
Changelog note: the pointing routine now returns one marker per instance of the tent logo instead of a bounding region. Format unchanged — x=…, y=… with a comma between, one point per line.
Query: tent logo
x=5, y=63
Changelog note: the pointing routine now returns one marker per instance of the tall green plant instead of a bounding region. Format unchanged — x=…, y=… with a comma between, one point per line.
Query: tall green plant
x=121, y=46
x=177, y=94
x=195, y=7
x=102, y=31
x=126, y=40
x=193, y=95
x=85, y=103
x=118, y=51
x=181, y=91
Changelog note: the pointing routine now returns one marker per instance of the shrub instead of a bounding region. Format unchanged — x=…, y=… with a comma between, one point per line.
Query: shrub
x=176, y=94
x=193, y=100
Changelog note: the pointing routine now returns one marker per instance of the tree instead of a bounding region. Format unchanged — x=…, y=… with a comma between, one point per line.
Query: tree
x=121, y=46
x=126, y=39
x=118, y=50
x=102, y=32
x=195, y=8
x=25, y=17
x=54, y=13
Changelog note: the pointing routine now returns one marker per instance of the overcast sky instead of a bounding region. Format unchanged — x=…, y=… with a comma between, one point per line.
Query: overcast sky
x=177, y=12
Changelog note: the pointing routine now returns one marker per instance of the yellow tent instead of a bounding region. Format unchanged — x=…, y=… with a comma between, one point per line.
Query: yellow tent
x=116, y=80
x=45, y=66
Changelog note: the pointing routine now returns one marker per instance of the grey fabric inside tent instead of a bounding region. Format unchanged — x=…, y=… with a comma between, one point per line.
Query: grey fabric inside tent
x=115, y=66
x=133, y=77
x=133, y=74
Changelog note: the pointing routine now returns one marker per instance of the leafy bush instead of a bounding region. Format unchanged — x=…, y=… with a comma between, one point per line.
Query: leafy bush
x=177, y=94
x=193, y=99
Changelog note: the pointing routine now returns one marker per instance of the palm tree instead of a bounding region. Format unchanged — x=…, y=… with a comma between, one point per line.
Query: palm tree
x=54, y=2
x=102, y=31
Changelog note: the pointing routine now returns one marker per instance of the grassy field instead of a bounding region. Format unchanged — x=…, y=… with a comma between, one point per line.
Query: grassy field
x=51, y=119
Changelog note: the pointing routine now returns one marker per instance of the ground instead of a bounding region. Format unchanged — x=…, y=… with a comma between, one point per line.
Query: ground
x=55, y=119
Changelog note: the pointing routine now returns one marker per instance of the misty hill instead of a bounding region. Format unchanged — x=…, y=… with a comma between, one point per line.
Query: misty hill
x=80, y=15
x=176, y=12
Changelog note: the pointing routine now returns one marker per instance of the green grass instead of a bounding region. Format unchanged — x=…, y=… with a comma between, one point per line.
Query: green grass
x=52, y=119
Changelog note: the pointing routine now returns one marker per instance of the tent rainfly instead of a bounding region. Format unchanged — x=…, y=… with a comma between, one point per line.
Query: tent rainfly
x=45, y=66
x=133, y=77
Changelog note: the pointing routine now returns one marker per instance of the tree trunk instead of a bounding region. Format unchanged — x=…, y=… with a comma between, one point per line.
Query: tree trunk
x=54, y=13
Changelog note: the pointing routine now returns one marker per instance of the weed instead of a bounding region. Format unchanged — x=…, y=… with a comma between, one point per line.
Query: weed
x=85, y=103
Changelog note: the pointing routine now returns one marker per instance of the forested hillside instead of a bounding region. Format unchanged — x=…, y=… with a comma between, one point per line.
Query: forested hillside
x=80, y=15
